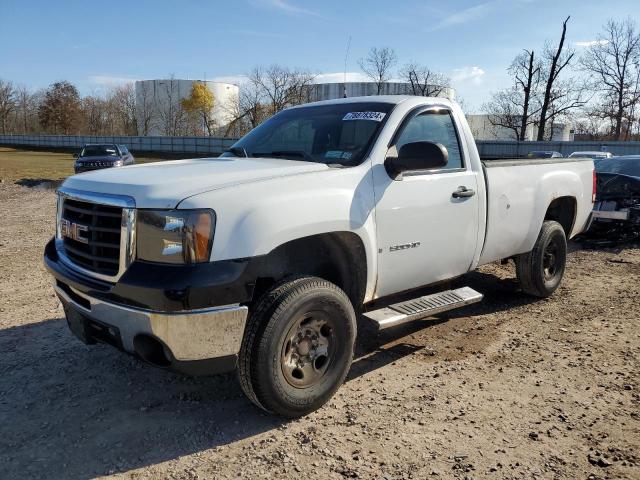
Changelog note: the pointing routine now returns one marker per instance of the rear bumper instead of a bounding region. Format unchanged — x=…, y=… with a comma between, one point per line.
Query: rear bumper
x=205, y=341
x=610, y=215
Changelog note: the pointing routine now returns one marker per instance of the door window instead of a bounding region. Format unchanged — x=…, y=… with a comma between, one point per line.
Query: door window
x=437, y=127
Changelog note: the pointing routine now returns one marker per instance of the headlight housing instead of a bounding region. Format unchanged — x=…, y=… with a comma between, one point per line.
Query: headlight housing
x=118, y=163
x=175, y=236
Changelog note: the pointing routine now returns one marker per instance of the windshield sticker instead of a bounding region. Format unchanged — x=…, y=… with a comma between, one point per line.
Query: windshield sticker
x=333, y=154
x=375, y=116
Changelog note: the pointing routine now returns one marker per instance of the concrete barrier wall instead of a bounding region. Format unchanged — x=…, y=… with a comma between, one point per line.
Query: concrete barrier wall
x=216, y=145
x=513, y=149
x=213, y=145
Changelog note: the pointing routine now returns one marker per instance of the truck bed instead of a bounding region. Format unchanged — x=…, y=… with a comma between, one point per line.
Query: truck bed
x=519, y=192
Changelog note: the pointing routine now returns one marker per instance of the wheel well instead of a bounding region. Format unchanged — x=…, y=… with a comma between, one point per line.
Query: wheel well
x=563, y=211
x=338, y=257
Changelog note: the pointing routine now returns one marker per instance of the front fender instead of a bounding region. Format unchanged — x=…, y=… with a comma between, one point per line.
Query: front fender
x=255, y=218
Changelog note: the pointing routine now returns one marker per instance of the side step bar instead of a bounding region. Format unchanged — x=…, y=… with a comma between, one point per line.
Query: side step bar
x=421, y=307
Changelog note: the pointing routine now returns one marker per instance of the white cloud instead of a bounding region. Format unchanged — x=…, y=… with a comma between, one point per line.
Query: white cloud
x=468, y=74
x=478, y=12
x=467, y=15
x=284, y=6
x=591, y=43
x=110, y=81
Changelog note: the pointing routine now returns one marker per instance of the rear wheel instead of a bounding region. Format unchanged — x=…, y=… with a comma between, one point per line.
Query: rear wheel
x=297, y=347
x=540, y=271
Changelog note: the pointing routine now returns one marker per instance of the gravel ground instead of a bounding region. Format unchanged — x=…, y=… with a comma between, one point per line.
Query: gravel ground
x=508, y=388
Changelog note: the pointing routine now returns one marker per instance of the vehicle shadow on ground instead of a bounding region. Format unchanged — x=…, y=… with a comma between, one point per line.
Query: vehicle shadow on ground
x=73, y=411
x=377, y=349
x=44, y=183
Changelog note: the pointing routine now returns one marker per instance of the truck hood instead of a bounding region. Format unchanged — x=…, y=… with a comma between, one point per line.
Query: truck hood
x=165, y=184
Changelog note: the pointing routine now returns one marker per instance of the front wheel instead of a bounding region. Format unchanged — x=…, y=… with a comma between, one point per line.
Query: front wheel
x=540, y=271
x=297, y=347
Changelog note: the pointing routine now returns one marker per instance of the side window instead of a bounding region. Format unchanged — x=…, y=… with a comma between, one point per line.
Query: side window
x=435, y=127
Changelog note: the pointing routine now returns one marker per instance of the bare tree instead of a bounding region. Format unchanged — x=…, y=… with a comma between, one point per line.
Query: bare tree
x=614, y=60
x=555, y=62
x=266, y=92
x=526, y=72
x=566, y=97
x=8, y=103
x=145, y=108
x=378, y=64
x=281, y=87
x=122, y=104
x=26, y=115
x=505, y=110
x=170, y=112
x=93, y=113
x=516, y=108
x=423, y=81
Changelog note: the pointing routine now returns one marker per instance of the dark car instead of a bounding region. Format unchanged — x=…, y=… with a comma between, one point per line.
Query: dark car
x=98, y=156
x=616, y=212
x=544, y=154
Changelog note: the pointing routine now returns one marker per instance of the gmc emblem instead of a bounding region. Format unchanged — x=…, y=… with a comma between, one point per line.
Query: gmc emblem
x=72, y=230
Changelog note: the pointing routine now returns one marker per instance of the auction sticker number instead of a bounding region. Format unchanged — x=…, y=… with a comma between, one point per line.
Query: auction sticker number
x=375, y=116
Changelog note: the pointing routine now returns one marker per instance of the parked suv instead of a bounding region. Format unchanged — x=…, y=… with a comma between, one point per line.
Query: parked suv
x=96, y=157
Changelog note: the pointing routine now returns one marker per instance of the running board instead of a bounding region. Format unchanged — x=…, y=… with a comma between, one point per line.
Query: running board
x=421, y=307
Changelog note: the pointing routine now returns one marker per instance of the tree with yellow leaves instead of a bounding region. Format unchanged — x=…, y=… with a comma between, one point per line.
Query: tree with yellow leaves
x=200, y=102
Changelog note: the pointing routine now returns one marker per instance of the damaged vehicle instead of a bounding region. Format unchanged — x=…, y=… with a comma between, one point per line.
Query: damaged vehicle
x=616, y=213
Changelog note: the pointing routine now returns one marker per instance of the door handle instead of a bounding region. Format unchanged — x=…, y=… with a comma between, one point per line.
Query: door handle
x=463, y=192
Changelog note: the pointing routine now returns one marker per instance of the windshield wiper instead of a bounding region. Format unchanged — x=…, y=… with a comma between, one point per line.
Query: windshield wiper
x=238, y=151
x=286, y=154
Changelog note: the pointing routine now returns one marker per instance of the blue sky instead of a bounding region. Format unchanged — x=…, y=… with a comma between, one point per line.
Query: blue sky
x=96, y=44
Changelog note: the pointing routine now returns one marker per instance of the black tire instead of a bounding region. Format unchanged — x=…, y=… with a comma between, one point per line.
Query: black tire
x=289, y=377
x=540, y=271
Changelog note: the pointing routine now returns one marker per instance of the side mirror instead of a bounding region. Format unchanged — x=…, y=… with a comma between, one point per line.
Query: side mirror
x=417, y=156
x=76, y=155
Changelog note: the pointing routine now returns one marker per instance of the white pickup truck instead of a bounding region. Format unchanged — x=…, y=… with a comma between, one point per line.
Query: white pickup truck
x=262, y=259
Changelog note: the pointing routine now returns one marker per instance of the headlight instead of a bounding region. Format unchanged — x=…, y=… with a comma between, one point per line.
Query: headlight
x=118, y=163
x=175, y=236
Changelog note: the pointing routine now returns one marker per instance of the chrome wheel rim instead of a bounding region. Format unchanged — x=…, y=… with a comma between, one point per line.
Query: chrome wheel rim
x=307, y=350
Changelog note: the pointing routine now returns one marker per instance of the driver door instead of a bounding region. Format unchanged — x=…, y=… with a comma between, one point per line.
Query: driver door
x=425, y=232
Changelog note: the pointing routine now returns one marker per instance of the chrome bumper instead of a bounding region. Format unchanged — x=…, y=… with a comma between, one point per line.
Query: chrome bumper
x=190, y=336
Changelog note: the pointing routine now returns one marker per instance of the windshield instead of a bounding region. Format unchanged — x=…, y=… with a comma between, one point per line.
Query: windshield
x=337, y=133
x=99, y=151
x=619, y=166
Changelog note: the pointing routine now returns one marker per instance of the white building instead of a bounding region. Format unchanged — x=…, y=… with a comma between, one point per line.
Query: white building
x=331, y=91
x=158, y=108
x=483, y=129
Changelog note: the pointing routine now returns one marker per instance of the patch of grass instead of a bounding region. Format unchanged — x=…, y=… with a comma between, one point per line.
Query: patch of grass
x=28, y=165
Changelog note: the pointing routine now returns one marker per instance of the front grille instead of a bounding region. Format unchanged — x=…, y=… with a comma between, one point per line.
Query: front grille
x=101, y=252
x=96, y=164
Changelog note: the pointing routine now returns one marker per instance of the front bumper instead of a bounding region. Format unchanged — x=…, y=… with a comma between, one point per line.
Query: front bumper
x=187, y=318
x=197, y=342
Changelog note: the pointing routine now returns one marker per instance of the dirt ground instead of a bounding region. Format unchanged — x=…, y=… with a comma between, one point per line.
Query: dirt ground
x=508, y=388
